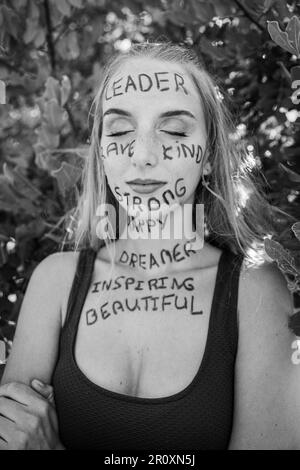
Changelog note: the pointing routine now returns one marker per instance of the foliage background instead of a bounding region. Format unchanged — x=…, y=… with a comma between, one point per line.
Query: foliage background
x=51, y=57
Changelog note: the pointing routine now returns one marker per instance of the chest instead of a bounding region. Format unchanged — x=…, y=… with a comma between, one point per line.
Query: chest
x=144, y=336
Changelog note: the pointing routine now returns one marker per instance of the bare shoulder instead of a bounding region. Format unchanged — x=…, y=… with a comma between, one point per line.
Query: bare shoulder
x=34, y=355
x=266, y=380
x=264, y=297
x=57, y=270
x=62, y=268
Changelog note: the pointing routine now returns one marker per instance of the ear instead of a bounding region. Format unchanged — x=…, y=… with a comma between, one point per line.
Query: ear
x=207, y=168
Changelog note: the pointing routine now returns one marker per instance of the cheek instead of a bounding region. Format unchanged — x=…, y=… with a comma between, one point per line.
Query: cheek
x=114, y=158
x=182, y=153
x=184, y=160
x=117, y=150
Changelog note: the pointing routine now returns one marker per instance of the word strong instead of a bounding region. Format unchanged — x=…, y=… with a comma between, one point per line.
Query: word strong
x=143, y=82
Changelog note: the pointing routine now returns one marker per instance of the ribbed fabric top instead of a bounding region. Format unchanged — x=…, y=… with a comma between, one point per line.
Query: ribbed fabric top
x=199, y=417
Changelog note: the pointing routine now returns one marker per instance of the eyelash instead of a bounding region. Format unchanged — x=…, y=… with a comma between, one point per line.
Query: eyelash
x=178, y=134
x=117, y=134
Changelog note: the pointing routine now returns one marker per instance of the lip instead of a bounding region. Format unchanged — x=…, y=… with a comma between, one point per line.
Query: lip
x=145, y=186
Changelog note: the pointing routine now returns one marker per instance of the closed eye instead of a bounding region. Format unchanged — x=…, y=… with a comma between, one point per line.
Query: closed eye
x=116, y=134
x=181, y=134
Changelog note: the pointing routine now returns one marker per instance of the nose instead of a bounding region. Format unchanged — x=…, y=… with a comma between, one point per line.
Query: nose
x=144, y=151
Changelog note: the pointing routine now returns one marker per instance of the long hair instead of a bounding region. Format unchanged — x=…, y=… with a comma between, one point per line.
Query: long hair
x=237, y=214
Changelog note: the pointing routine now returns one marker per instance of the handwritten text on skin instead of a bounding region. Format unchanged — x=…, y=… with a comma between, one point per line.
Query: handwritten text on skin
x=169, y=152
x=144, y=82
x=153, y=303
x=153, y=203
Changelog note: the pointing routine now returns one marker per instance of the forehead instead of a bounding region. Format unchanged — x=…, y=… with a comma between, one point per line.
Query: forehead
x=141, y=82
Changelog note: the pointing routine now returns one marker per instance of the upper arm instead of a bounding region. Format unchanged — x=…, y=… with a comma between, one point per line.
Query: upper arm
x=267, y=382
x=36, y=339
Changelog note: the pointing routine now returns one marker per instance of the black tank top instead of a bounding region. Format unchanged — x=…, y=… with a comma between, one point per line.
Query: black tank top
x=197, y=417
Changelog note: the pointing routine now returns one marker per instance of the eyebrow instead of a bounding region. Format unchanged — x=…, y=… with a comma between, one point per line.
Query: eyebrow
x=175, y=112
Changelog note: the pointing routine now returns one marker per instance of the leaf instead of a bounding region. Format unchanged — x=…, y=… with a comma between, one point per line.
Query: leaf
x=40, y=37
x=280, y=37
x=285, y=71
x=31, y=30
x=222, y=8
x=34, y=12
x=54, y=115
x=283, y=258
x=47, y=138
x=64, y=7
x=67, y=176
x=2, y=92
x=76, y=3
x=267, y=5
x=11, y=21
x=73, y=46
x=19, y=4
x=52, y=89
x=293, y=31
x=296, y=229
x=33, y=229
x=203, y=11
x=158, y=16
x=293, y=176
x=2, y=352
x=22, y=184
x=66, y=88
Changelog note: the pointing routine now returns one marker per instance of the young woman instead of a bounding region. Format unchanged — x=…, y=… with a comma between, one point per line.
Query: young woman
x=150, y=340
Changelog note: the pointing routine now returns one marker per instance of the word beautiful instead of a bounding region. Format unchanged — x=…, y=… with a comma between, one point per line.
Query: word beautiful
x=169, y=152
x=143, y=303
x=165, y=256
x=153, y=203
x=143, y=82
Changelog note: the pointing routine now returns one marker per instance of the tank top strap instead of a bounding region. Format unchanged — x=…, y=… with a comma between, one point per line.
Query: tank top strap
x=225, y=301
x=79, y=289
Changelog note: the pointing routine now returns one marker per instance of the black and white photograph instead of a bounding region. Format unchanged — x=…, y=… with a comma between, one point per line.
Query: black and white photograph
x=150, y=227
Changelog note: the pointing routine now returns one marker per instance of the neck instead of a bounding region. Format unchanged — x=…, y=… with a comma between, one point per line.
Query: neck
x=156, y=244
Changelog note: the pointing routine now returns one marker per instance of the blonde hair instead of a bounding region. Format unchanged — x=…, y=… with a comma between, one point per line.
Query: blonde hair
x=237, y=214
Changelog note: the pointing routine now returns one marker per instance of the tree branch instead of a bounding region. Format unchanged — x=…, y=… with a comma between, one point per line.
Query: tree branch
x=49, y=38
x=51, y=49
x=248, y=15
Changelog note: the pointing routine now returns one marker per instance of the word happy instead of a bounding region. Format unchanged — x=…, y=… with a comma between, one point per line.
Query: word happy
x=161, y=81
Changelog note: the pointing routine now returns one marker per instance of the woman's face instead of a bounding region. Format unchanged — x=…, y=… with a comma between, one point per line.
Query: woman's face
x=153, y=135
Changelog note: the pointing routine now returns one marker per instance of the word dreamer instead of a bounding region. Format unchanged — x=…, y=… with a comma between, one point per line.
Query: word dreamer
x=165, y=256
x=143, y=82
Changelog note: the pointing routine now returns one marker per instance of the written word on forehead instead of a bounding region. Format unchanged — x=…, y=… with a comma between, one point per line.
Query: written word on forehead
x=145, y=82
